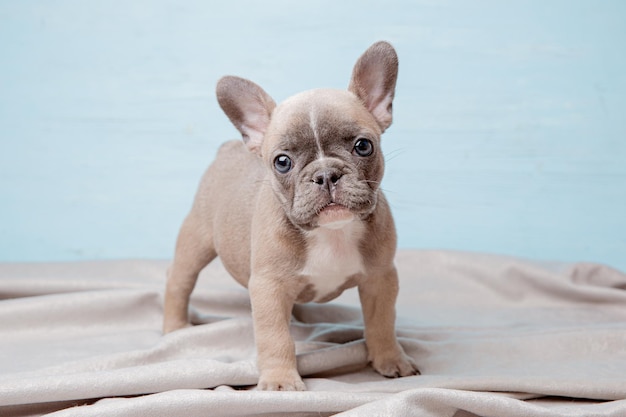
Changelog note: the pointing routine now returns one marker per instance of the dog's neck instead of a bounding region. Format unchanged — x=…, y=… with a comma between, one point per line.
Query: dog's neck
x=333, y=256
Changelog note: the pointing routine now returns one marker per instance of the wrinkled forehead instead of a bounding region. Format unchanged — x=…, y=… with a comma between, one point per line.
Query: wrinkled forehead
x=322, y=117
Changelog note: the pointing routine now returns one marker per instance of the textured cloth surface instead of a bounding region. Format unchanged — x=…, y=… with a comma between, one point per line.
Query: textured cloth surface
x=492, y=335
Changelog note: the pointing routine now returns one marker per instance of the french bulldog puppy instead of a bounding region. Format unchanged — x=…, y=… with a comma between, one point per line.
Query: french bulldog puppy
x=296, y=214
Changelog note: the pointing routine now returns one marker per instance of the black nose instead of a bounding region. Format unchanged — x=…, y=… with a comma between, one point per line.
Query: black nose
x=327, y=178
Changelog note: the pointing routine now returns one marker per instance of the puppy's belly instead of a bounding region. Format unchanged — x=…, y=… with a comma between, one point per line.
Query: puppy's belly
x=333, y=263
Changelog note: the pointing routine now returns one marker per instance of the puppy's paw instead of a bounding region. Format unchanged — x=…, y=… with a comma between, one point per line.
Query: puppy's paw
x=393, y=366
x=170, y=326
x=281, y=380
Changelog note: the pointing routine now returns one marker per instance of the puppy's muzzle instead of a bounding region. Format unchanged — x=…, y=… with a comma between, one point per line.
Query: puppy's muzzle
x=327, y=179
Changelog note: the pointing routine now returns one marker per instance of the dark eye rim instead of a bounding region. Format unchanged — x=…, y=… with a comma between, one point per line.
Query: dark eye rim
x=283, y=169
x=368, y=152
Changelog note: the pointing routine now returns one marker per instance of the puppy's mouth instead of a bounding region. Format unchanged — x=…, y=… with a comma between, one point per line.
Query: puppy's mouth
x=334, y=216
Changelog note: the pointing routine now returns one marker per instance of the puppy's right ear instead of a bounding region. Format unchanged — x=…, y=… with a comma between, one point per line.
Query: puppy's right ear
x=248, y=107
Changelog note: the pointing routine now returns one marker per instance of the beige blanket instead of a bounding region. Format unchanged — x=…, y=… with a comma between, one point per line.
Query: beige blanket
x=493, y=336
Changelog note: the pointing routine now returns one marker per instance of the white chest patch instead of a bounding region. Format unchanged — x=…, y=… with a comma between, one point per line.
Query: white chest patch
x=332, y=256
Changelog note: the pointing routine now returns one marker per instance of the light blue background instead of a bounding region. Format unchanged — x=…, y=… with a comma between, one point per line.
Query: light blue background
x=509, y=133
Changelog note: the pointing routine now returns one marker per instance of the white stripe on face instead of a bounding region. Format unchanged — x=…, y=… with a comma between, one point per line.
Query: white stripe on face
x=313, y=123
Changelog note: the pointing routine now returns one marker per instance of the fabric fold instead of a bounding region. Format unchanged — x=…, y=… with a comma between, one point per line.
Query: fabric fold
x=492, y=335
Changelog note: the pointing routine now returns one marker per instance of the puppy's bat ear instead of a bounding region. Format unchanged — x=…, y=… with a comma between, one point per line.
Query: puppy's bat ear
x=248, y=107
x=374, y=81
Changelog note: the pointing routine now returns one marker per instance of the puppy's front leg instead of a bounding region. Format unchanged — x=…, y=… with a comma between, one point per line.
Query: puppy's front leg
x=276, y=352
x=378, y=298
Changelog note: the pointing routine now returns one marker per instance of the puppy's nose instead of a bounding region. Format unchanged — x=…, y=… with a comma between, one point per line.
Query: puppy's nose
x=327, y=178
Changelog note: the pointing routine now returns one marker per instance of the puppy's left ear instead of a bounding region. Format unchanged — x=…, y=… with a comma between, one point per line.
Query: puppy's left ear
x=248, y=107
x=374, y=81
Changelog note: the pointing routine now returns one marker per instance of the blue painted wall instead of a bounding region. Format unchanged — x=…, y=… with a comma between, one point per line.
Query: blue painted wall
x=509, y=132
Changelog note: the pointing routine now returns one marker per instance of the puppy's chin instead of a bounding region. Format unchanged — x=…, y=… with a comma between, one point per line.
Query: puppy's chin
x=334, y=216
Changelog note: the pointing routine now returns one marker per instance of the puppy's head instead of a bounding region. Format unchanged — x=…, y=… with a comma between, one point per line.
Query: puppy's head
x=321, y=146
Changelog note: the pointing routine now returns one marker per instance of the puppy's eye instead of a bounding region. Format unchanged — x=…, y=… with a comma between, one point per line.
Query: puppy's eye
x=282, y=163
x=364, y=147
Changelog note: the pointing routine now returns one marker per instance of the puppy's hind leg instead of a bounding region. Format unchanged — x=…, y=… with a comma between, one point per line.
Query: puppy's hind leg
x=194, y=251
